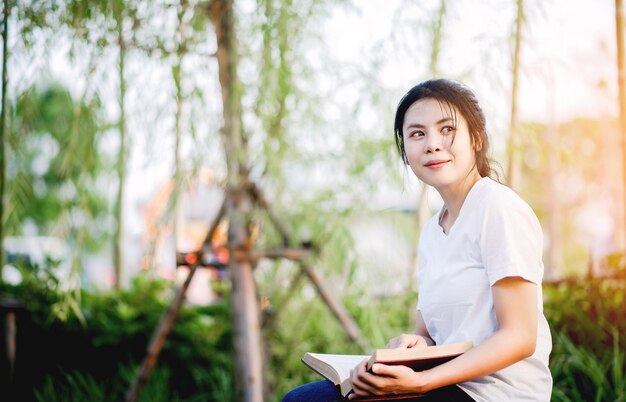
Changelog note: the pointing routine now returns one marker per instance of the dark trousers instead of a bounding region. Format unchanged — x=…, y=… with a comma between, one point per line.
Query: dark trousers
x=325, y=391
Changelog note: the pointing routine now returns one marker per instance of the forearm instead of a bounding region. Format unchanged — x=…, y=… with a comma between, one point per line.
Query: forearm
x=502, y=349
x=515, y=304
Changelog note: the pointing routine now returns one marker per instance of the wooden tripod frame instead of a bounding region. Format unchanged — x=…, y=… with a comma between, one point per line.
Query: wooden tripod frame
x=237, y=206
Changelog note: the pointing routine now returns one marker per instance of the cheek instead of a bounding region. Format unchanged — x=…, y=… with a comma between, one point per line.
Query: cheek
x=415, y=164
x=462, y=149
x=411, y=148
x=412, y=153
x=449, y=142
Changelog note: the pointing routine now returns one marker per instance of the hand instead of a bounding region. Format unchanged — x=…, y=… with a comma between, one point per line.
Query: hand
x=384, y=380
x=408, y=341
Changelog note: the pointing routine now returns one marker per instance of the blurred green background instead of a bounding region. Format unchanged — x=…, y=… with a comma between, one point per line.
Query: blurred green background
x=117, y=146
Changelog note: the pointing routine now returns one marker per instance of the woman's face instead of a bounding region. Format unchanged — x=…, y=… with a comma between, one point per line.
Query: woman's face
x=437, y=144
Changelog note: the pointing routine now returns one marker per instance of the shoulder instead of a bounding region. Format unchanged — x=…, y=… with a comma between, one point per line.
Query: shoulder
x=498, y=198
x=499, y=208
x=491, y=190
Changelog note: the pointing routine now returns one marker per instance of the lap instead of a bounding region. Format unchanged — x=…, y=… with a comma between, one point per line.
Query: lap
x=319, y=391
x=450, y=393
x=325, y=391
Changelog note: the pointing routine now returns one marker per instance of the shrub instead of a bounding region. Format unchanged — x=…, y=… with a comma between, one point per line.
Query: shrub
x=586, y=319
x=98, y=352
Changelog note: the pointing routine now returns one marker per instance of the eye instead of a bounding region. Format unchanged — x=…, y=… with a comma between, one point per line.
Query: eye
x=447, y=130
x=416, y=133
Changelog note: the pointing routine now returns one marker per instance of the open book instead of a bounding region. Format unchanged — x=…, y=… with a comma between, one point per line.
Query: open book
x=336, y=368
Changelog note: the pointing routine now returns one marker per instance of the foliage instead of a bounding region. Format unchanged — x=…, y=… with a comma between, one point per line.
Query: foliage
x=79, y=386
x=306, y=324
x=583, y=374
x=49, y=186
x=66, y=360
x=588, y=321
x=102, y=354
x=588, y=312
x=616, y=262
x=302, y=327
x=296, y=122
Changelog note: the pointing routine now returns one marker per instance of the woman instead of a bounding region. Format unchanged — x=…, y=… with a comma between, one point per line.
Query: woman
x=480, y=266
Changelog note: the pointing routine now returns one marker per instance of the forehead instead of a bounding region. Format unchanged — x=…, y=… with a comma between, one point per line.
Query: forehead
x=429, y=109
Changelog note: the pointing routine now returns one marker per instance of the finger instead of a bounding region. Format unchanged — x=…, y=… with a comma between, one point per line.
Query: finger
x=363, y=383
x=401, y=341
x=385, y=370
x=361, y=388
x=419, y=342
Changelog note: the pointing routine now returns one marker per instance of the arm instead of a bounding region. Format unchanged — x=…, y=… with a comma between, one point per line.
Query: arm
x=515, y=302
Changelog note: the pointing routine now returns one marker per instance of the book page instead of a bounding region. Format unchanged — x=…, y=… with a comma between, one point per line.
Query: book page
x=328, y=364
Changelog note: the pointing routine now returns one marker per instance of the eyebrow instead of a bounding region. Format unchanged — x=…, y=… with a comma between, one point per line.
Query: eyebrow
x=417, y=125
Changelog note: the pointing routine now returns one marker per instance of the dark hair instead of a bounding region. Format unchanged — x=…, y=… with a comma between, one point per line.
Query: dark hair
x=457, y=97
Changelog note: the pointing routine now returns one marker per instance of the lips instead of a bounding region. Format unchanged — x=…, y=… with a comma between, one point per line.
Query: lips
x=435, y=164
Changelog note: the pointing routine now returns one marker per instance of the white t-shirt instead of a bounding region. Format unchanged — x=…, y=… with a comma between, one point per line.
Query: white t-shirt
x=496, y=235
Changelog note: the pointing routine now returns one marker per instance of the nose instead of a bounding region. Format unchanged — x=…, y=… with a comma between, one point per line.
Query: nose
x=433, y=144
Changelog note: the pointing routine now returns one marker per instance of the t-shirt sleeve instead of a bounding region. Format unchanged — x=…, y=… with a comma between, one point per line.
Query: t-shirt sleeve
x=511, y=240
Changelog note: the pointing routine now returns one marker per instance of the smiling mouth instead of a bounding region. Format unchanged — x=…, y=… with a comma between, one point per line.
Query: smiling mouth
x=435, y=164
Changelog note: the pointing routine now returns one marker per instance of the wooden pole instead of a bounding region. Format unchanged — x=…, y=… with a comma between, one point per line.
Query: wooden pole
x=259, y=198
x=621, y=81
x=335, y=305
x=337, y=308
x=270, y=320
x=159, y=337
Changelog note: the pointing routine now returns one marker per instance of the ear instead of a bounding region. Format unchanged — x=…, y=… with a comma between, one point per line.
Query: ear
x=477, y=143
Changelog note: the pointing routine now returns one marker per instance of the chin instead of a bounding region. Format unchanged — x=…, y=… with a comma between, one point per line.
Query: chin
x=433, y=181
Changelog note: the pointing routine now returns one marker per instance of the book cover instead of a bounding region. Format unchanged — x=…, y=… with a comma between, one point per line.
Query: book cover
x=336, y=368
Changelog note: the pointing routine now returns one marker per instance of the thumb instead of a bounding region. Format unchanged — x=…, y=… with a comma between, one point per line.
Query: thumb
x=384, y=370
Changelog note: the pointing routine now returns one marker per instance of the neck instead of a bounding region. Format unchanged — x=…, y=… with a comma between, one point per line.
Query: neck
x=453, y=197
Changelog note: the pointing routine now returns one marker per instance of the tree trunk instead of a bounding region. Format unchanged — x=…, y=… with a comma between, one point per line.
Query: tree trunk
x=621, y=77
x=177, y=74
x=554, y=228
x=513, y=169
x=231, y=132
x=244, y=307
x=121, y=165
x=3, y=126
x=436, y=44
x=245, y=313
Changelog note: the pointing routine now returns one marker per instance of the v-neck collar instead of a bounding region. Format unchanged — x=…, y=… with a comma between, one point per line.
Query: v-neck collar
x=479, y=183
